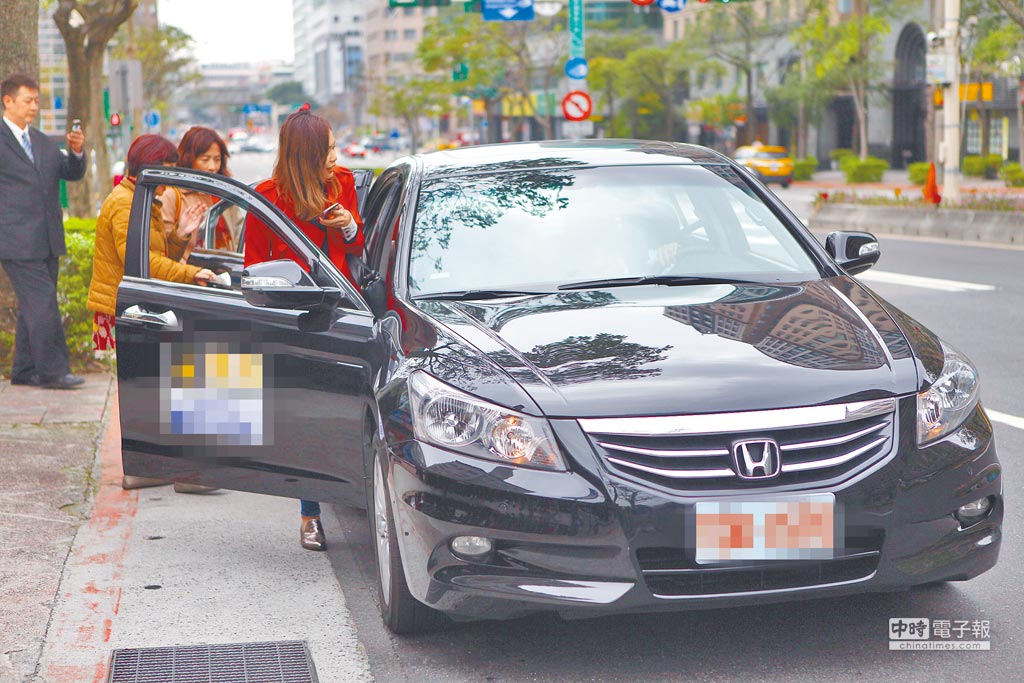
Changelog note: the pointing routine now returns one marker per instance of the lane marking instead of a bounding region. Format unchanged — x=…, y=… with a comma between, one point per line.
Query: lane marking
x=924, y=282
x=1011, y=420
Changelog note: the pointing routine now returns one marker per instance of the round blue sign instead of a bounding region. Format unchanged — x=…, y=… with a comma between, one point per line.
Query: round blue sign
x=577, y=68
x=671, y=5
x=152, y=118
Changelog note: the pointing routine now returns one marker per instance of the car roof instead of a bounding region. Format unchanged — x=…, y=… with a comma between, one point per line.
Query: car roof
x=564, y=153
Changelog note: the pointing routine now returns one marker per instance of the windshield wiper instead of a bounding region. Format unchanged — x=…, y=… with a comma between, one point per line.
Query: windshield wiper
x=670, y=280
x=470, y=294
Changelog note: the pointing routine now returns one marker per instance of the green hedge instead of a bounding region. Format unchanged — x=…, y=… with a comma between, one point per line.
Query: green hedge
x=868, y=171
x=72, y=292
x=974, y=166
x=918, y=172
x=1012, y=175
x=803, y=169
x=840, y=152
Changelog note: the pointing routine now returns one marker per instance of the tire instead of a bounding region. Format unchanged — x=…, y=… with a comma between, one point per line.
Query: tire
x=400, y=611
x=785, y=184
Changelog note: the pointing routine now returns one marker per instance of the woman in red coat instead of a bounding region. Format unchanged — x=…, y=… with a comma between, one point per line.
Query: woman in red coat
x=305, y=183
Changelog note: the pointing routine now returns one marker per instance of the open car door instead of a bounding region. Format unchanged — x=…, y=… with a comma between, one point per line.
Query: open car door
x=230, y=261
x=215, y=390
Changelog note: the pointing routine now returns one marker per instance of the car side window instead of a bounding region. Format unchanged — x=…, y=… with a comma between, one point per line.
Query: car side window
x=214, y=239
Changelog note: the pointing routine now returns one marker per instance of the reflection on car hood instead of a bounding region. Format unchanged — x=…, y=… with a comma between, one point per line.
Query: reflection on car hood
x=714, y=348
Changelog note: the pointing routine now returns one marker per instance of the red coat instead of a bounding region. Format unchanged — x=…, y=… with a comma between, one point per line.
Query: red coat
x=262, y=245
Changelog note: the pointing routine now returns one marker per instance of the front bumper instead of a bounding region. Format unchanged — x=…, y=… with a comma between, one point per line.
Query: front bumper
x=589, y=543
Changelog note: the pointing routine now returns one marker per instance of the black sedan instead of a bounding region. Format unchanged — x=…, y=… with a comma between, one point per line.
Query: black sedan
x=589, y=377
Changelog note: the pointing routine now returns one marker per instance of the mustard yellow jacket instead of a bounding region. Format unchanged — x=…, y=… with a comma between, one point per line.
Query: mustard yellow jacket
x=108, y=254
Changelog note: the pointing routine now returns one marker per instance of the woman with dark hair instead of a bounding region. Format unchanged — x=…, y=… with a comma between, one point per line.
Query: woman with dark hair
x=203, y=150
x=307, y=181
x=111, y=235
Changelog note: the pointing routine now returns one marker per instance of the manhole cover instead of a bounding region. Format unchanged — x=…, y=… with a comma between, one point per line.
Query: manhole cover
x=286, y=661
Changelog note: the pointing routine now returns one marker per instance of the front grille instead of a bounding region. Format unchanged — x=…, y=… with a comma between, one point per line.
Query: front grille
x=673, y=573
x=818, y=445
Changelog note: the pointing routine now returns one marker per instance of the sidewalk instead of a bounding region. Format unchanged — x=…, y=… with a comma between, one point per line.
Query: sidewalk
x=82, y=573
x=48, y=445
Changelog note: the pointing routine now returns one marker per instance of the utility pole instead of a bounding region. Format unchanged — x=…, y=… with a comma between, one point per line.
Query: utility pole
x=950, y=152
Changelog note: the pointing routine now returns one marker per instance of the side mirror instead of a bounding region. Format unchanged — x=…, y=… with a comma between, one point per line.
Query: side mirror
x=284, y=284
x=855, y=252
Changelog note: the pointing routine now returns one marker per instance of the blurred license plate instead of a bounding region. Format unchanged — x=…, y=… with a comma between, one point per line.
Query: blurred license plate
x=791, y=528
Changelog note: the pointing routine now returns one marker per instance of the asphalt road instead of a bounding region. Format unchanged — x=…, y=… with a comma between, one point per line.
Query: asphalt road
x=227, y=568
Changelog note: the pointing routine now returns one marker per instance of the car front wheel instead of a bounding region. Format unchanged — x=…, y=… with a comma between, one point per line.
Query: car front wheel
x=402, y=613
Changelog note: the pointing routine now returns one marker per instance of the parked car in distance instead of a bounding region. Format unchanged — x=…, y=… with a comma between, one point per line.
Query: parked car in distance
x=771, y=163
x=584, y=377
x=354, y=150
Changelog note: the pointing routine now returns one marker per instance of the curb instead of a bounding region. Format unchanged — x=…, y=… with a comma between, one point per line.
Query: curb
x=989, y=227
x=82, y=619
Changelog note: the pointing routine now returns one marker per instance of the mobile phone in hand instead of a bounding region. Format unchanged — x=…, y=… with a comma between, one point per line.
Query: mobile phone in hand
x=76, y=125
x=330, y=209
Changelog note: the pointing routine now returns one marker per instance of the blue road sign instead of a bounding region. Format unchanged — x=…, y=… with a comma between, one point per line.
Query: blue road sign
x=671, y=5
x=508, y=10
x=58, y=102
x=577, y=68
x=256, y=108
x=152, y=118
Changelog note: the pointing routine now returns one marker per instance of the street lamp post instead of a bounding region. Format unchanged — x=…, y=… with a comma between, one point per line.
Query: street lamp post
x=951, y=105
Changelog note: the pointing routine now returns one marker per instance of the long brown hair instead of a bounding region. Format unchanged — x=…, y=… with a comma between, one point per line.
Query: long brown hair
x=301, y=157
x=195, y=142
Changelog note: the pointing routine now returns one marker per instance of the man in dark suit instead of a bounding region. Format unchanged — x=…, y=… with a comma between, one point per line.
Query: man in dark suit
x=32, y=233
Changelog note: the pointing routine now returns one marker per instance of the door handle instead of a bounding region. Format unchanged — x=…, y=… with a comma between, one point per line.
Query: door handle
x=138, y=314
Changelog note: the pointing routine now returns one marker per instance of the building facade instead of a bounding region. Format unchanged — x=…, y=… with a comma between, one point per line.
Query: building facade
x=330, y=44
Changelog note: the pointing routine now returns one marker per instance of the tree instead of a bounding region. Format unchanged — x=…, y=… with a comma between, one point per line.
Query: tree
x=165, y=53
x=659, y=81
x=19, y=38
x=1013, y=9
x=87, y=28
x=608, y=76
x=740, y=36
x=289, y=93
x=523, y=57
x=413, y=98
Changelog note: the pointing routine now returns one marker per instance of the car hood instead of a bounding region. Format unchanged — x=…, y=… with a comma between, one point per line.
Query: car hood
x=659, y=350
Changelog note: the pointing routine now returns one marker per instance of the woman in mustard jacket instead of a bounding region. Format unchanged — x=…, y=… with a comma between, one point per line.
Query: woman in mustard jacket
x=112, y=233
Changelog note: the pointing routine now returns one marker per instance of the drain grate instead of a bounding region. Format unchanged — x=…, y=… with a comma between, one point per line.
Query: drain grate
x=285, y=661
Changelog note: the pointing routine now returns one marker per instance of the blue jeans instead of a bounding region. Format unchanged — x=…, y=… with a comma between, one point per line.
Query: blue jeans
x=310, y=508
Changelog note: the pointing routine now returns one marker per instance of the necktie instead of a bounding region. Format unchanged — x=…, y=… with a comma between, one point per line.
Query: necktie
x=27, y=144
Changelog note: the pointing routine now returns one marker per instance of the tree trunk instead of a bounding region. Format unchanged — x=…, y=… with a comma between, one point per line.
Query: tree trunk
x=19, y=38
x=748, y=130
x=860, y=106
x=86, y=46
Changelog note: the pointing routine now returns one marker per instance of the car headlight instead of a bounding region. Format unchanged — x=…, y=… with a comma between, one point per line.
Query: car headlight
x=452, y=419
x=949, y=400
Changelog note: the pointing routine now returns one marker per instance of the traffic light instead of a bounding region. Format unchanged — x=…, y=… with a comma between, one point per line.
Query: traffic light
x=115, y=119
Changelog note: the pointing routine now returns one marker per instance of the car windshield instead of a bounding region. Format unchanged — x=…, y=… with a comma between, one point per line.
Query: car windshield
x=770, y=155
x=540, y=228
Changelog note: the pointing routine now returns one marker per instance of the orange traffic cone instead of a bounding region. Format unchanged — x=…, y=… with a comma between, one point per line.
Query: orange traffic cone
x=931, y=189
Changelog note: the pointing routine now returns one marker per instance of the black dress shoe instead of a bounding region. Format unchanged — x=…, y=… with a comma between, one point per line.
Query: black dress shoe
x=68, y=381
x=30, y=381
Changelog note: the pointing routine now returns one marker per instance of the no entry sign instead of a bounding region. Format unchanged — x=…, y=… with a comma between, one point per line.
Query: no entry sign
x=577, y=106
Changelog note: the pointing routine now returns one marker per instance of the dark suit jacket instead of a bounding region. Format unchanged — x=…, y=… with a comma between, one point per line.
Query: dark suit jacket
x=31, y=222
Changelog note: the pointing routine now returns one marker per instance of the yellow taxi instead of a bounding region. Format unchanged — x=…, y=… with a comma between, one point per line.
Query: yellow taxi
x=771, y=163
